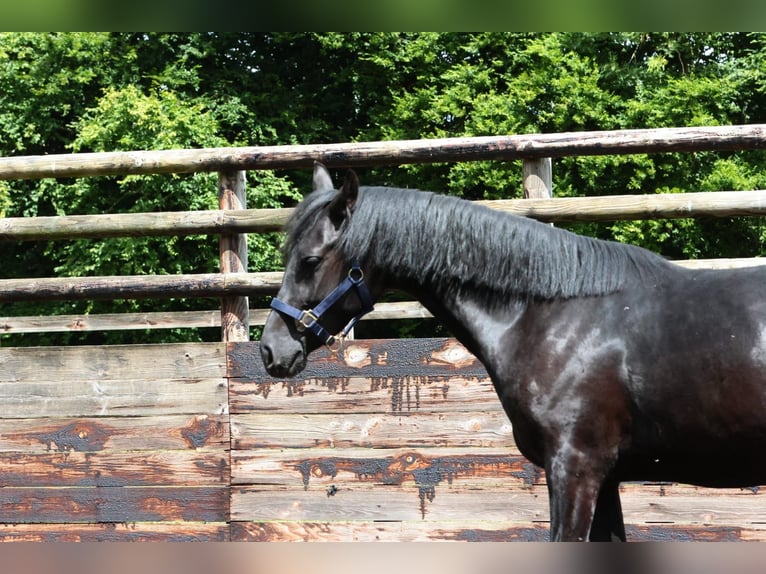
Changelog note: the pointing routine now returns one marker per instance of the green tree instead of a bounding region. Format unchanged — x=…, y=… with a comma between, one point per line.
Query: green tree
x=147, y=99
x=76, y=92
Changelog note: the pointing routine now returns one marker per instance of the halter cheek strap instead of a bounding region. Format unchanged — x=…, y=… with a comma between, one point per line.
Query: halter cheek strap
x=308, y=319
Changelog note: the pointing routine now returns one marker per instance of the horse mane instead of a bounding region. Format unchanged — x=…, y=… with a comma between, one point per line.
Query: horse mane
x=450, y=244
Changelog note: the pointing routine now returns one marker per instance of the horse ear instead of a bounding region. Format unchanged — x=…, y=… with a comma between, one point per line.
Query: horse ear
x=350, y=189
x=344, y=203
x=322, y=179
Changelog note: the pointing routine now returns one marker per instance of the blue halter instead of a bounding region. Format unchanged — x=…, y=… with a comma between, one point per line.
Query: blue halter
x=308, y=319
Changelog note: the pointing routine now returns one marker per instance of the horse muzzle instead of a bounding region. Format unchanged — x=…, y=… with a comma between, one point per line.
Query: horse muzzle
x=284, y=359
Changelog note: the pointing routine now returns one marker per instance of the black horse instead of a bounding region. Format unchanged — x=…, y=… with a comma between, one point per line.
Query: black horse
x=612, y=363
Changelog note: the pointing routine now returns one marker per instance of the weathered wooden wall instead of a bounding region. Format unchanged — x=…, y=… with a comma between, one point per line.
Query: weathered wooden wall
x=390, y=440
x=406, y=440
x=114, y=443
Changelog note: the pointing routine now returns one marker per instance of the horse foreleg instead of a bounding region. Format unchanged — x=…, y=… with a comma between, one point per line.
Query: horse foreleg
x=573, y=491
x=608, y=524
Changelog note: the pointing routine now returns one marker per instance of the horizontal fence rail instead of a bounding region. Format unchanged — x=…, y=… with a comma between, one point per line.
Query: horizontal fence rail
x=138, y=286
x=202, y=285
x=661, y=140
x=177, y=319
x=534, y=149
x=554, y=210
x=142, y=224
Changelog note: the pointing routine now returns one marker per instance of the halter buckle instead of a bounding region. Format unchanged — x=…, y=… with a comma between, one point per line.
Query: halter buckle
x=305, y=320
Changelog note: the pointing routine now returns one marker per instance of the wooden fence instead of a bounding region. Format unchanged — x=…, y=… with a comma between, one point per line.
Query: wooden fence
x=390, y=440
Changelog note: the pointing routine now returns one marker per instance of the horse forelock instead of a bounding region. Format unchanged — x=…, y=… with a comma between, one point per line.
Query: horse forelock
x=304, y=217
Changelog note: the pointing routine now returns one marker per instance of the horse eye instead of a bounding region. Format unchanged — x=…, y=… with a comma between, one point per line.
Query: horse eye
x=310, y=263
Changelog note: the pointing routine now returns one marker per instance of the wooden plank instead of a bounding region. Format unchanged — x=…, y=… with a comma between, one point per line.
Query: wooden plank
x=348, y=429
x=112, y=397
x=476, y=530
x=199, y=432
x=116, y=362
x=174, y=320
x=389, y=531
x=117, y=532
x=126, y=469
x=156, y=224
x=137, y=287
x=634, y=207
x=366, y=501
x=503, y=148
x=695, y=533
x=119, y=380
x=542, y=208
x=114, y=504
x=347, y=468
x=684, y=504
x=372, y=376
x=369, y=358
x=110, y=322
x=401, y=396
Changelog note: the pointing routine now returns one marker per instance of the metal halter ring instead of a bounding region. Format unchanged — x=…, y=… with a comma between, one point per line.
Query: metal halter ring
x=335, y=343
x=356, y=274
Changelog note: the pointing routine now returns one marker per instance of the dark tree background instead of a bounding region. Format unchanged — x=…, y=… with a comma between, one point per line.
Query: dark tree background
x=82, y=92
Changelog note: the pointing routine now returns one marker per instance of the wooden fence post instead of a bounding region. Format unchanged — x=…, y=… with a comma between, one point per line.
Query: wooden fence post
x=538, y=178
x=235, y=323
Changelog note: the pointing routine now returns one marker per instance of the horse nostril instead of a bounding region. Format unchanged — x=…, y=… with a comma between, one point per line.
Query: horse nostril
x=268, y=356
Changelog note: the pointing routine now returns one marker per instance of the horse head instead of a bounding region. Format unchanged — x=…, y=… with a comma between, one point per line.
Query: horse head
x=322, y=294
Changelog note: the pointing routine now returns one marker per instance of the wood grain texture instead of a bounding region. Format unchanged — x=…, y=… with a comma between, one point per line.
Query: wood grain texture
x=138, y=287
x=347, y=429
x=659, y=140
x=114, y=504
x=117, y=362
x=114, y=443
x=200, y=432
x=141, y=380
x=155, y=224
x=365, y=500
x=79, y=469
x=406, y=440
x=110, y=322
x=117, y=532
x=227, y=221
x=399, y=440
x=398, y=376
x=113, y=397
x=235, y=320
x=475, y=531
x=634, y=207
x=537, y=176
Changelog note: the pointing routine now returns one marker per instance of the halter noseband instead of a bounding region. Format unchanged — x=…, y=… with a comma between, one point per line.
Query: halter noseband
x=309, y=318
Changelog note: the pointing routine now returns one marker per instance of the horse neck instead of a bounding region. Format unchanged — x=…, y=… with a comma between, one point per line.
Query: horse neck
x=464, y=313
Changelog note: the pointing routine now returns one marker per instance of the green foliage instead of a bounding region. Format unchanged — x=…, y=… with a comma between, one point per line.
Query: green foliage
x=5, y=197
x=79, y=92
